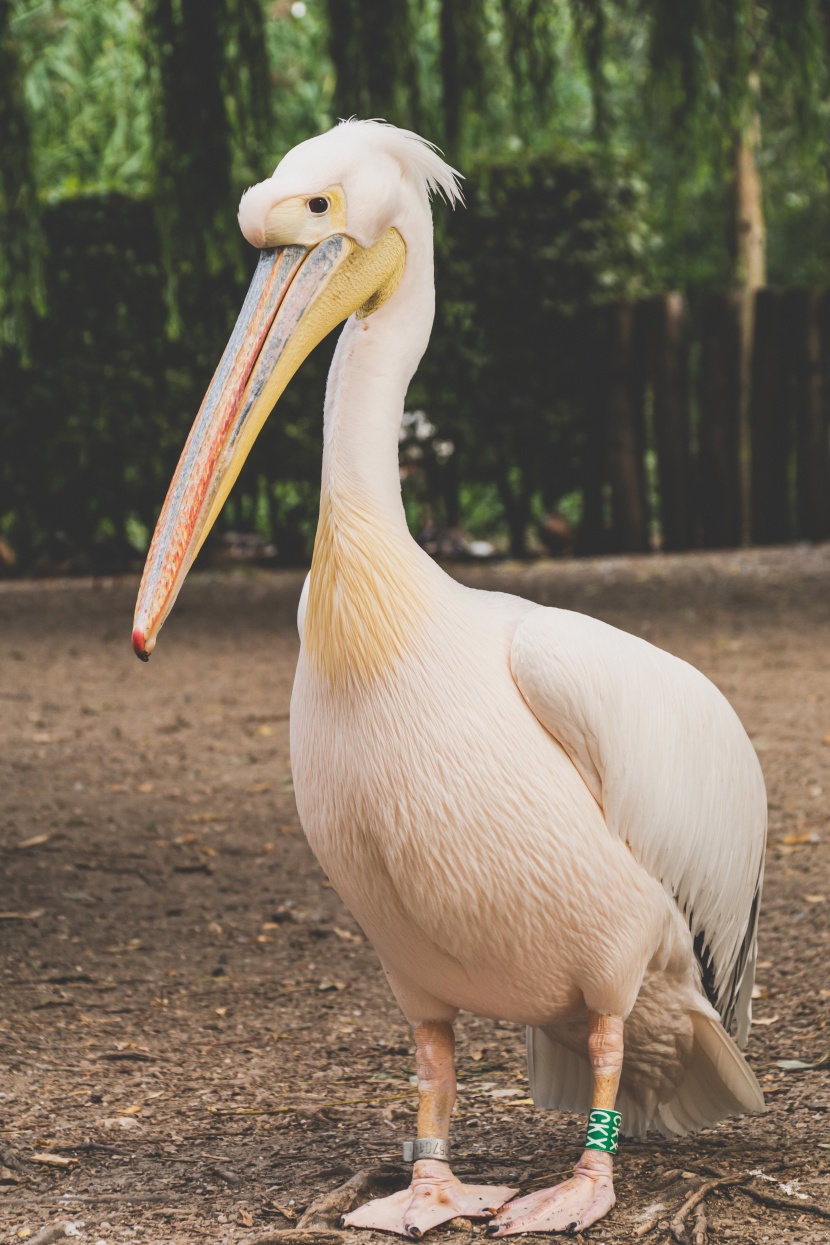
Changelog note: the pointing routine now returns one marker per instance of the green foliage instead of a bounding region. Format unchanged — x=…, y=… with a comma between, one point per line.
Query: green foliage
x=596, y=137
x=21, y=242
x=705, y=55
x=541, y=239
x=188, y=49
x=530, y=42
x=95, y=425
x=681, y=82
x=93, y=428
x=87, y=431
x=87, y=94
x=590, y=26
x=463, y=58
x=301, y=80
x=372, y=47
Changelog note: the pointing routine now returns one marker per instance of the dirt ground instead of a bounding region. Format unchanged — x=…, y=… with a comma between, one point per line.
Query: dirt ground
x=195, y=1039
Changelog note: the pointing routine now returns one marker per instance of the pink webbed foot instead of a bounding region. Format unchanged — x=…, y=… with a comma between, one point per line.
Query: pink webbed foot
x=569, y=1207
x=434, y=1197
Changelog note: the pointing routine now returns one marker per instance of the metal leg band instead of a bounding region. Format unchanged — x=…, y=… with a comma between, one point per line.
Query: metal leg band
x=426, y=1148
x=603, y=1130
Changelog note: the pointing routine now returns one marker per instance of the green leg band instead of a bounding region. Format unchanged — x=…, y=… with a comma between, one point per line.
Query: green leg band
x=603, y=1131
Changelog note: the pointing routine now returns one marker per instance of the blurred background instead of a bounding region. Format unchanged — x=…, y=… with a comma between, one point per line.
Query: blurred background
x=632, y=340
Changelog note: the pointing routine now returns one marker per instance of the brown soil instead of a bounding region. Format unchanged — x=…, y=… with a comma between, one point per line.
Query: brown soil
x=193, y=1024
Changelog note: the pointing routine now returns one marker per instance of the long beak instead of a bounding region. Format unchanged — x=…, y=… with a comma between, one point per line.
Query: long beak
x=296, y=297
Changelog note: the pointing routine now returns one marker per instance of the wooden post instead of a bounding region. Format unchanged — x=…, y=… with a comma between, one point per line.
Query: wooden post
x=750, y=235
x=750, y=269
x=593, y=337
x=626, y=425
x=669, y=367
x=720, y=419
x=823, y=317
x=769, y=422
x=801, y=311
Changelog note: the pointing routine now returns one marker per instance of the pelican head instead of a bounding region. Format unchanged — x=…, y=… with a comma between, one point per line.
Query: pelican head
x=335, y=225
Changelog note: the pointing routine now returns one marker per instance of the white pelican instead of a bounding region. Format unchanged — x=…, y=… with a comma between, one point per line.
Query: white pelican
x=534, y=816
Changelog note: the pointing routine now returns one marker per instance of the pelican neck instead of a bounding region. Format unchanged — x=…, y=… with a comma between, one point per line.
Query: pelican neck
x=375, y=360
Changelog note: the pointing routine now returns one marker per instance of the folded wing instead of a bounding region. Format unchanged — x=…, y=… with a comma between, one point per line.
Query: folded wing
x=674, y=772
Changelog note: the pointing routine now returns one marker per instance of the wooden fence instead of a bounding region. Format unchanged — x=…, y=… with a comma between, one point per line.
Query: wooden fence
x=691, y=444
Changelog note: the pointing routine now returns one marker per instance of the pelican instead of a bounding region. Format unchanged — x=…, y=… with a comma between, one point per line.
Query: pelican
x=534, y=816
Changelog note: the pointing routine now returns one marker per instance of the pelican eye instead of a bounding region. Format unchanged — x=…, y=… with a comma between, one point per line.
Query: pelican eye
x=318, y=206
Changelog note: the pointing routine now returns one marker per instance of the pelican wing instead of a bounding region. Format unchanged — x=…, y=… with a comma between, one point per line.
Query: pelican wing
x=669, y=763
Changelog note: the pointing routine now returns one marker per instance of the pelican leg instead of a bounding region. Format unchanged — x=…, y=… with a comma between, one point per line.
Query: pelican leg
x=435, y=1194
x=589, y=1194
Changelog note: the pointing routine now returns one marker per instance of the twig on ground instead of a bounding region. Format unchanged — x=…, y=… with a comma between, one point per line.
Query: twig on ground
x=700, y=1231
x=694, y=1202
x=548, y=1178
x=671, y=1175
x=89, y=1146
x=10, y=1158
x=54, y=1232
x=297, y=1236
x=677, y=1227
x=161, y=1198
x=785, y=1203
x=325, y=1211
x=224, y=1173
x=315, y=1106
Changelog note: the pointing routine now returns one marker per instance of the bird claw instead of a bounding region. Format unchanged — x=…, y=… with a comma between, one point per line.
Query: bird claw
x=568, y=1207
x=428, y=1202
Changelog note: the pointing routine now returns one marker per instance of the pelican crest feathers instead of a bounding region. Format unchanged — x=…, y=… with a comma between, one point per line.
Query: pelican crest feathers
x=412, y=152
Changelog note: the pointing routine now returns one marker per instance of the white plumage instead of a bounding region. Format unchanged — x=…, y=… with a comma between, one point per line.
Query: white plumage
x=677, y=779
x=534, y=816
x=532, y=865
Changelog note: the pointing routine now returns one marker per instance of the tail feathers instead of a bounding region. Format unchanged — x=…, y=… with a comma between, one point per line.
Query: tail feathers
x=560, y=1079
x=743, y=1000
x=718, y=1082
